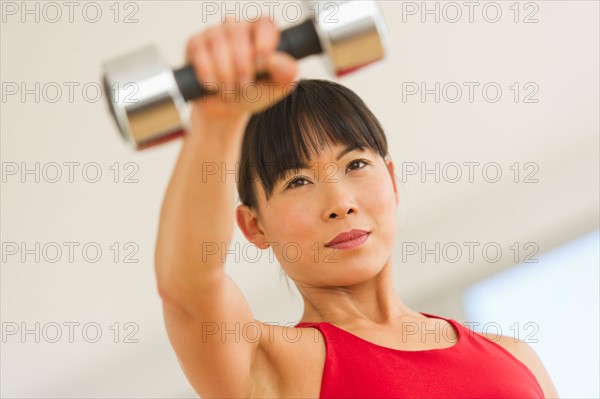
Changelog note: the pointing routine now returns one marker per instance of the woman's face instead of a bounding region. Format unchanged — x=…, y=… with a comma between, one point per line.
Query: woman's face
x=338, y=191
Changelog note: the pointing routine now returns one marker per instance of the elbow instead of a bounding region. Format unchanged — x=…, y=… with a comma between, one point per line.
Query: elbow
x=166, y=291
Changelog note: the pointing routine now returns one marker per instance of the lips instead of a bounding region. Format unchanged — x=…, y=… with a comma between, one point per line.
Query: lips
x=347, y=236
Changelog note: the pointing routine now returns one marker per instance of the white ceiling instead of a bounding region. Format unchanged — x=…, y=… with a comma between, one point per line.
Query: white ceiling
x=556, y=137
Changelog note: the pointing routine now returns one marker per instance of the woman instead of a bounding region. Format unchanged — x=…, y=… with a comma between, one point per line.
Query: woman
x=317, y=187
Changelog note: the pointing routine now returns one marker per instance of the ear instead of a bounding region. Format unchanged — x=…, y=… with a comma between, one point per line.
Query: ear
x=250, y=225
x=390, y=166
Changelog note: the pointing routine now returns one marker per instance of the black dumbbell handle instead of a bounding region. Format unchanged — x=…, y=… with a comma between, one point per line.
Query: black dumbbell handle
x=299, y=41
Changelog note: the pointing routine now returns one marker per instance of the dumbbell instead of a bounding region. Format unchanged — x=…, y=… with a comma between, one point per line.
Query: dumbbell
x=147, y=99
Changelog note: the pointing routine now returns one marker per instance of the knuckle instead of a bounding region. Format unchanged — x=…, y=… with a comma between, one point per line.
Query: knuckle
x=213, y=33
x=244, y=69
x=232, y=24
x=216, y=31
x=193, y=45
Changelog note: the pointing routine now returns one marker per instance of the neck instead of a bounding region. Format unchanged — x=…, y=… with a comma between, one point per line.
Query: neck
x=370, y=302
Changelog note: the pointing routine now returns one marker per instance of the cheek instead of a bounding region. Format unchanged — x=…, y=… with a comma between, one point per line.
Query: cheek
x=292, y=223
x=293, y=236
x=379, y=195
x=379, y=202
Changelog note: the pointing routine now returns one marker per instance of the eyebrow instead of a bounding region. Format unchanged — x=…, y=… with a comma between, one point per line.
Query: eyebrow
x=347, y=150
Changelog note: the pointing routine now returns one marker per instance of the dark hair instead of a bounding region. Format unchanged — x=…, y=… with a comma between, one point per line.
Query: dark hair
x=286, y=135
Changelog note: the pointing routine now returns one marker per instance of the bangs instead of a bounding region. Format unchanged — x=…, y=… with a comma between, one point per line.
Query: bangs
x=286, y=136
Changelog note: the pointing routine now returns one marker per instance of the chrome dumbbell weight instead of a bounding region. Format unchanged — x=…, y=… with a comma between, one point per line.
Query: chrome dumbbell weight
x=147, y=99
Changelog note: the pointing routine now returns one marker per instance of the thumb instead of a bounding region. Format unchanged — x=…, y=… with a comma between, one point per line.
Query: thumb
x=282, y=67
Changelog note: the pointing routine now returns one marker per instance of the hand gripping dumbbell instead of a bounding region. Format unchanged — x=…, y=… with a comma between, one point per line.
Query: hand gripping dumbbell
x=147, y=99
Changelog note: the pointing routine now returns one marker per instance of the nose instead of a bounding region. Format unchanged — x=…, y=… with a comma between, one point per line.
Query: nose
x=341, y=213
x=339, y=202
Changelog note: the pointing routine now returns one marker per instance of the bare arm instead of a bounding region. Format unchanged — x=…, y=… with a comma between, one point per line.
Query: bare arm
x=199, y=300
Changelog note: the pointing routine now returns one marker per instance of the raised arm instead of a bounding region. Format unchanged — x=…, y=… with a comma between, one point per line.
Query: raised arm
x=199, y=299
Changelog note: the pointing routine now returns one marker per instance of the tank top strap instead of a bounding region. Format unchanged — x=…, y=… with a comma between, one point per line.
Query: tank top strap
x=321, y=325
x=329, y=331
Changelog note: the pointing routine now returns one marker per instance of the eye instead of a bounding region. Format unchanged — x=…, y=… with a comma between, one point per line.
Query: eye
x=357, y=161
x=292, y=184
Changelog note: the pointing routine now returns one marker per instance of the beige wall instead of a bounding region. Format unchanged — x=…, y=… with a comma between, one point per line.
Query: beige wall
x=553, y=134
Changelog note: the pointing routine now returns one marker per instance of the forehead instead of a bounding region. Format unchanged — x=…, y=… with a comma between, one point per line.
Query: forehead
x=331, y=150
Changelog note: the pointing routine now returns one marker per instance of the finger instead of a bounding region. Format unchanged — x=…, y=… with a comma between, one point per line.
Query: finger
x=282, y=68
x=266, y=39
x=242, y=52
x=198, y=55
x=220, y=48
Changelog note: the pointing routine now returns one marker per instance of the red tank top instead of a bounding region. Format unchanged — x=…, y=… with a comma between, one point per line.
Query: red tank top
x=473, y=367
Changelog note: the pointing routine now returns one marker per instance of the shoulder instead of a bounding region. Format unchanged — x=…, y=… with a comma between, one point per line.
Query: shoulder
x=526, y=355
